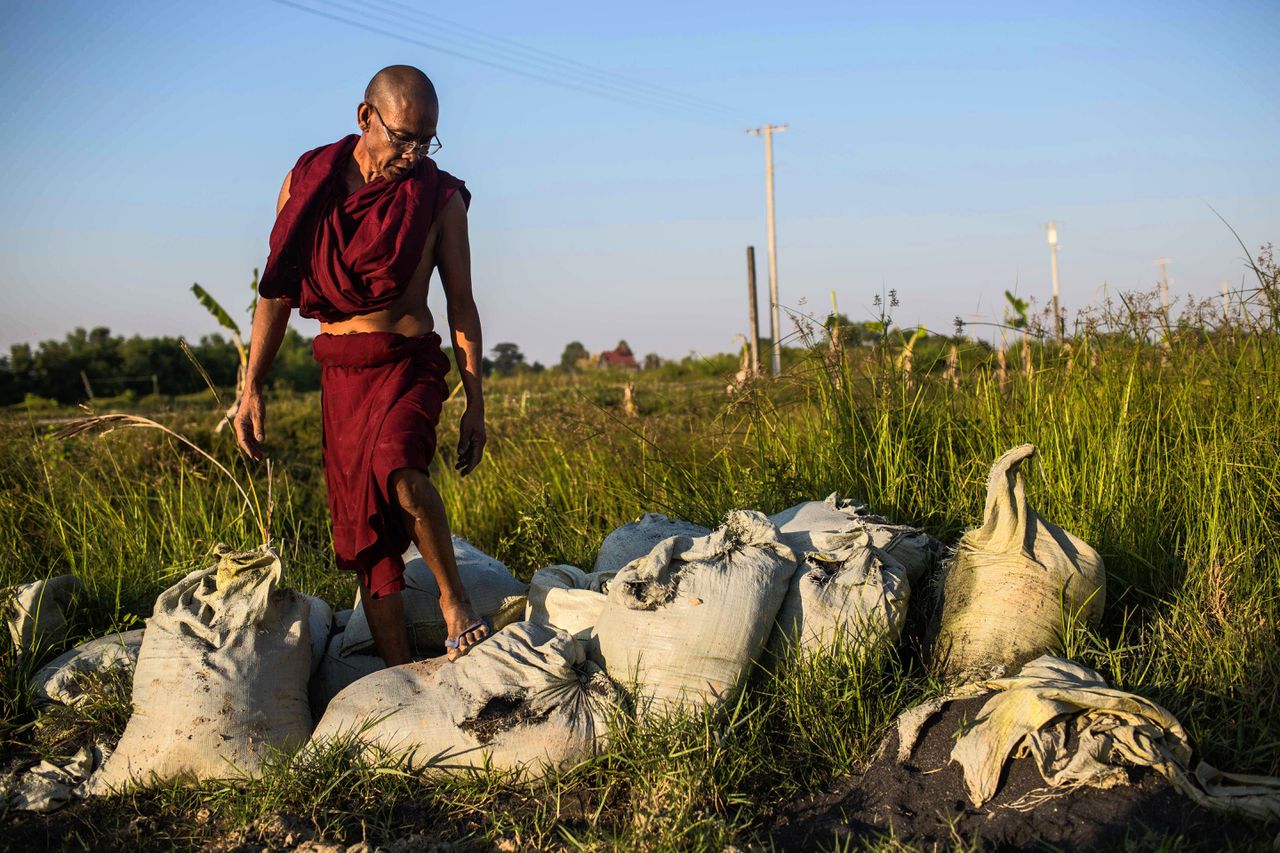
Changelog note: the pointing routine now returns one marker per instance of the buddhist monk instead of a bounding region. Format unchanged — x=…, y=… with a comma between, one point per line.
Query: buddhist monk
x=361, y=224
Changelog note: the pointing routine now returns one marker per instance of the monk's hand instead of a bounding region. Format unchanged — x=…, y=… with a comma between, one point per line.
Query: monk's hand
x=471, y=439
x=251, y=423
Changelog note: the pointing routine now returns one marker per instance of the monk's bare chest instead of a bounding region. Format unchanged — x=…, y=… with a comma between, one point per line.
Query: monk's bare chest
x=413, y=299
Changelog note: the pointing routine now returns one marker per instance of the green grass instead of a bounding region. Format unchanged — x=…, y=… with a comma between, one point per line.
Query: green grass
x=1165, y=459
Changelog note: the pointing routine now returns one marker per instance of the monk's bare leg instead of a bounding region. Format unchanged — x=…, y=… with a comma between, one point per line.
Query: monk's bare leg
x=424, y=517
x=386, y=624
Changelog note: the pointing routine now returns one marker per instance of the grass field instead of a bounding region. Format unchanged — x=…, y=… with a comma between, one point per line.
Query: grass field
x=1160, y=446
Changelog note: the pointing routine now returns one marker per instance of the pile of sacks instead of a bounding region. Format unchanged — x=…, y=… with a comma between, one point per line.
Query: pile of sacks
x=233, y=667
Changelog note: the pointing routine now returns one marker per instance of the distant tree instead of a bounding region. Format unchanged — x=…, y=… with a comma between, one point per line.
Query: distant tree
x=23, y=365
x=622, y=348
x=538, y=367
x=573, y=353
x=115, y=364
x=507, y=359
x=652, y=361
x=8, y=382
x=293, y=366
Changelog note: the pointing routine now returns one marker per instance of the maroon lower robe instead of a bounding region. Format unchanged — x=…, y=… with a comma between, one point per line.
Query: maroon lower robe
x=336, y=255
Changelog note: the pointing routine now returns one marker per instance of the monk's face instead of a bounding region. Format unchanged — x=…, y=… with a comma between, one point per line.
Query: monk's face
x=406, y=121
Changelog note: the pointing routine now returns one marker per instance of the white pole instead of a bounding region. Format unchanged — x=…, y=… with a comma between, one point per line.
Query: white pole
x=1163, y=263
x=1052, y=230
x=773, y=253
x=775, y=320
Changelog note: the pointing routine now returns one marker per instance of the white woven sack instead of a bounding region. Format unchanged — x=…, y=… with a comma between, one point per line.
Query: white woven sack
x=1005, y=592
x=524, y=697
x=336, y=672
x=685, y=622
x=567, y=598
x=221, y=678
x=37, y=612
x=60, y=679
x=860, y=592
x=494, y=593
x=811, y=526
x=635, y=540
x=320, y=618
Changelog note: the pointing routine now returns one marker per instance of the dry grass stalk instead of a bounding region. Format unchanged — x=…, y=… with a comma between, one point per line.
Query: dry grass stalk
x=103, y=424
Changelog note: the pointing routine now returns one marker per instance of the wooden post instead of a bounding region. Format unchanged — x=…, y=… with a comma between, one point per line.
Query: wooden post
x=155, y=384
x=629, y=400
x=88, y=389
x=752, y=310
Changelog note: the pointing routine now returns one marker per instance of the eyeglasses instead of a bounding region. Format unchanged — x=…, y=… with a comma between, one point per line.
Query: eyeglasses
x=404, y=146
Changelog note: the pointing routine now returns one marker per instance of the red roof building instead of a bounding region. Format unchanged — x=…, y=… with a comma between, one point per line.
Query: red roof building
x=620, y=356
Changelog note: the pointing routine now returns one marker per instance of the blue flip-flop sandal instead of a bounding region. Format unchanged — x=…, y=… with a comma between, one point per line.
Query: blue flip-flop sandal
x=452, y=643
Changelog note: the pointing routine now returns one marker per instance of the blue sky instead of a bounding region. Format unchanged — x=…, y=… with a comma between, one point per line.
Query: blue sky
x=144, y=145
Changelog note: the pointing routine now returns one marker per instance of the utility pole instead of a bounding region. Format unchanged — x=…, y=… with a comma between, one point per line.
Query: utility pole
x=767, y=132
x=1163, y=263
x=752, y=311
x=1052, y=231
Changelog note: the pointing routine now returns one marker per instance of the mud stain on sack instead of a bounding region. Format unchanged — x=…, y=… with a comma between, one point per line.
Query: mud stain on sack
x=501, y=714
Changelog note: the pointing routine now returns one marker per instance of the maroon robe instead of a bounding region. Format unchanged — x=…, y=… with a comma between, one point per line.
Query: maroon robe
x=334, y=256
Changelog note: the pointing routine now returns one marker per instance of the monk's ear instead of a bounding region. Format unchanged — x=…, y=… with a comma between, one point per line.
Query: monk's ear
x=362, y=115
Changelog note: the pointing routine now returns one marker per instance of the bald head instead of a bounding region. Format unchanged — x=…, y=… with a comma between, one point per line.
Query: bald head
x=400, y=108
x=402, y=87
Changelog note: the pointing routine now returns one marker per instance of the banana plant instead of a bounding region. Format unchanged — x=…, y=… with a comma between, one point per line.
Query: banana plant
x=225, y=321
x=1015, y=316
x=1015, y=313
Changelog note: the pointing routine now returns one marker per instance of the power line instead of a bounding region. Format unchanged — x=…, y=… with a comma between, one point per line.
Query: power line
x=558, y=66
x=635, y=98
x=555, y=61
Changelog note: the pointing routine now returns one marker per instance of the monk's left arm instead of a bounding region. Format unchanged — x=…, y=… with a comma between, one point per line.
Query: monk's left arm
x=453, y=258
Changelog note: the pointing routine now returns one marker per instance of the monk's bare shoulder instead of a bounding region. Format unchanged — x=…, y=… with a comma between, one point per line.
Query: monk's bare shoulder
x=453, y=250
x=455, y=211
x=284, y=192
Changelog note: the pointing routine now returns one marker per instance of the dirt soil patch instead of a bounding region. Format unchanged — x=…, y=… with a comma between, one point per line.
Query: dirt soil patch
x=118, y=826
x=923, y=804
x=501, y=714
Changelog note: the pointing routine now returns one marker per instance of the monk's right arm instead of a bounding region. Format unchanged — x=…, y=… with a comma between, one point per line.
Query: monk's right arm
x=270, y=318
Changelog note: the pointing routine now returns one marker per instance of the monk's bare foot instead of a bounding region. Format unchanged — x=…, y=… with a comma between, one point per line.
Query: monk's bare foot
x=464, y=625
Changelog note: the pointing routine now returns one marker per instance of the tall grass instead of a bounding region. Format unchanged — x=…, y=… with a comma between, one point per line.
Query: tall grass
x=1159, y=443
